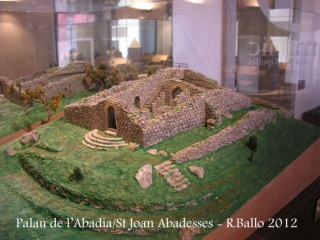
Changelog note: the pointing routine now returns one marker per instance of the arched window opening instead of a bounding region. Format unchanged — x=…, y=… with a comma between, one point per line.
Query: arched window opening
x=176, y=92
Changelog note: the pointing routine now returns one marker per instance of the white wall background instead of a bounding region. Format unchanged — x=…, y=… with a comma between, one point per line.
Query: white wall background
x=197, y=35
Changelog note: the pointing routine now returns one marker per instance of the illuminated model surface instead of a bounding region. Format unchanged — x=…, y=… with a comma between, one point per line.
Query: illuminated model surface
x=175, y=115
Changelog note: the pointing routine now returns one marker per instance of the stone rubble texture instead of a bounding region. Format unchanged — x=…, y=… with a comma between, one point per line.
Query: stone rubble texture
x=163, y=153
x=144, y=176
x=148, y=111
x=199, y=171
x=152, y=151
x=29, y=137
x=133, y=146
x=11, y=152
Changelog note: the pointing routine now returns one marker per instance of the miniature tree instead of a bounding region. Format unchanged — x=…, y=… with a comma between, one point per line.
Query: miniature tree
x=97, y=75
x=151, y=70
x=129, y=72
x=50, y=105
x=29, y=96
x=115, y=76
x=252, y=144
x=11, y=89
x=27, y=99
x=106, y=76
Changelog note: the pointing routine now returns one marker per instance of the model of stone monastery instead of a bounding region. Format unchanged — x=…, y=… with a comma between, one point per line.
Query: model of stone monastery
x=155, y=108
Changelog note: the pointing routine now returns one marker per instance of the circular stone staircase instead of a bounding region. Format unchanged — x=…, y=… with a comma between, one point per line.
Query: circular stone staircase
x=94, y=140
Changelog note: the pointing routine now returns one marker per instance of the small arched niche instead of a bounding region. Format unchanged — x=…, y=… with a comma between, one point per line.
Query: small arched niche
x=176, y=92
x=111, y=118
x=137, y=102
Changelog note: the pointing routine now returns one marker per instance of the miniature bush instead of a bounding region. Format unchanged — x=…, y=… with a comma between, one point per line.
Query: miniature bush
x=150, y=71
x=76, y=175
x=252, y=144
x=11, y=89
x=129, y=72
x=106, y=76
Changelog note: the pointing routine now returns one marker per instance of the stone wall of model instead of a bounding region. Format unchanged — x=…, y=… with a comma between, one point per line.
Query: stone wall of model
x=67, y=81
x=226, y=100
x=150, y=110
x=67, y=86
x=252, y=120
x=146, y=89
x=182, y=118
x=188, y=115
x=199, y=79
x=87, y=116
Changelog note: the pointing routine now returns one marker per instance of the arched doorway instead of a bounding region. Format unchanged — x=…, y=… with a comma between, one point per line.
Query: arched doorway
x=176, y=92
x=137, y=102
x=111, y=118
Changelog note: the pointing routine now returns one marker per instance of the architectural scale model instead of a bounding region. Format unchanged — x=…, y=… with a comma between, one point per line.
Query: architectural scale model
x=158, y=107
x=174, y=147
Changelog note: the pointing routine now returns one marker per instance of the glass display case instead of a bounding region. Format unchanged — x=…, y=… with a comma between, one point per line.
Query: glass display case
x=40, y=34
x=275, y=51
x=158, y=119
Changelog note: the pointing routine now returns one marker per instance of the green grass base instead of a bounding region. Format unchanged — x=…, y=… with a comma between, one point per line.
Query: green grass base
x=13, y=117
x=109, y=176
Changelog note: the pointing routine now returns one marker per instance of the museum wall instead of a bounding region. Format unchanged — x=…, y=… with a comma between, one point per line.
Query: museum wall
x=197, y=39
x=27, y=43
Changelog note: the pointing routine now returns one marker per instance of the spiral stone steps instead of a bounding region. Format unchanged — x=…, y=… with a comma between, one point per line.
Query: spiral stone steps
x=94, y=140
x=173, y=176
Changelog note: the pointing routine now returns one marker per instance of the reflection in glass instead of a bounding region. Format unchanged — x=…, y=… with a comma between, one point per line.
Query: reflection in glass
x=117, y=36
x=277, y=51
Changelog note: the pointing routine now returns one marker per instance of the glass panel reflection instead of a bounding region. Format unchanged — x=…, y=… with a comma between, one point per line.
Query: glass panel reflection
x=277, y=51
x=110, y=37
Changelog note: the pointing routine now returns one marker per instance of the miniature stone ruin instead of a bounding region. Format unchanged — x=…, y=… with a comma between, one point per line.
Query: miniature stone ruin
x=152, y=109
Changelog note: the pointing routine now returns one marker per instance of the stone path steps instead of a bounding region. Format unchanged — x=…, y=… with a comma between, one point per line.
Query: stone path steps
x=173, y=176
x=94, y=140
